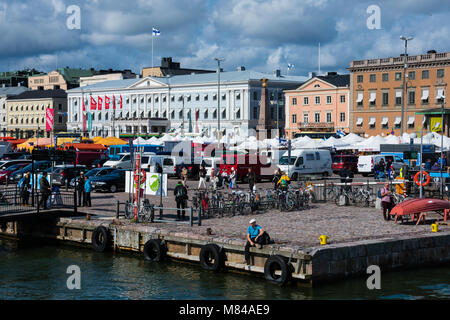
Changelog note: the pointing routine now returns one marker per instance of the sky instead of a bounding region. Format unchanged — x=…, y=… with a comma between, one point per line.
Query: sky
x=262, y=35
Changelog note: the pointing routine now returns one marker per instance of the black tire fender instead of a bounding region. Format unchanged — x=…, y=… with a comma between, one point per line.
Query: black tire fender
x=154, y=250
x=211, y=252
x=276, y=262
x=100, y=239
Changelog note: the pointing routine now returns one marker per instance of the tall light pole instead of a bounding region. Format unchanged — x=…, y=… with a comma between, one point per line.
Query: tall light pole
x=405, y=59
x=218, y=97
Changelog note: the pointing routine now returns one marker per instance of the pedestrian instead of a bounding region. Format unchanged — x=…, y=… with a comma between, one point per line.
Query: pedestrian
x=181, y=197
x=276, y=178
x=386, y=201
x=158, y=168
x=24, y=187
x=283, y=181
x=87, y=192
x=256, y=237
x=251, y=177
x=428, y=165
x=184, y=175
x=202, y=175
x=44, y=188
x=79, y=185
x=225, y=180
x=233, y=178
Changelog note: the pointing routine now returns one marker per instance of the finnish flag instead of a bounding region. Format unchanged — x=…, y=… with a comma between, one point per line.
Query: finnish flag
x=155, y=32
x=290, y=66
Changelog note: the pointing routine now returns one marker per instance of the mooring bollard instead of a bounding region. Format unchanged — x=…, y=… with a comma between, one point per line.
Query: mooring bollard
x=75, y=208
x=191, y=216
x=118, y=209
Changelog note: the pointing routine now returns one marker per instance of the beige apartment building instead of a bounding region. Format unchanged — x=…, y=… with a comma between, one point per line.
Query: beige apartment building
x=376, y=89
x=61, y=78
x=26, y=113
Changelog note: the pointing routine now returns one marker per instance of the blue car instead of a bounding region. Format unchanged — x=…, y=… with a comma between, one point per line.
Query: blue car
x=39, y=166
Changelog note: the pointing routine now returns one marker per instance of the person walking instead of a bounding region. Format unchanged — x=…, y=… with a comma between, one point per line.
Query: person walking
x=181, y=197
x=46, y=191
x=225, y=180
x=202, y=175
x=233, y=179
x=276, y=178
x=87, y=192
x=386, y=201
x=79, y=184
x=158, y=168
x=251, y=176
x=184, y=175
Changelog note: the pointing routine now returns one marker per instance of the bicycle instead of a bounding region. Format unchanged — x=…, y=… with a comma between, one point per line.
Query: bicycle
x=363, y=198
x=286, y=200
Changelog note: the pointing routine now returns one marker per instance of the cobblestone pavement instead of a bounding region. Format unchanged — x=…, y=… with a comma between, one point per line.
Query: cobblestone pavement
x=299, y=228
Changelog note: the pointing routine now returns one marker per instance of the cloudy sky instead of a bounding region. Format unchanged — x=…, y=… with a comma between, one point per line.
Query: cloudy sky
x=262, y=35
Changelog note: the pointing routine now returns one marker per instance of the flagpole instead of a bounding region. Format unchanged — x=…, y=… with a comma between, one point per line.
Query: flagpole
x=152, y=52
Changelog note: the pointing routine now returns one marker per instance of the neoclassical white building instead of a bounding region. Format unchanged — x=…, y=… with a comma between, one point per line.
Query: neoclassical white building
x=184, y=102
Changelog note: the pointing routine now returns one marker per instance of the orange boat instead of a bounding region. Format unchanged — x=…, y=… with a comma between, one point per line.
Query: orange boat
x=420, y=207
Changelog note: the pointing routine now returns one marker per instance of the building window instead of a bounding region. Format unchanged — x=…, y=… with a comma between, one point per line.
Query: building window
x=342, y=98
x=398, y=98
x=294, y=101
x=328, y=99
x=305, y=101
x=255, y=95
x=214, y=97
x=425, y=74
x=411, y=75
x=342, y=116
x=238, y=114
x=197, y=98
x=373, y=98
x=214, y=115
x=385, y=98
x=440, y=73
x=360, y=78
x=305, y=118
x=398, y=76
x=411, y=97
x=317, y=100
x=385, y=77
x=205, y=98
x=373, y=78
x=255, y=113
x=317, y=117
x=328, y=117
x=294, y=118
x=425, y=96
x=60, y=119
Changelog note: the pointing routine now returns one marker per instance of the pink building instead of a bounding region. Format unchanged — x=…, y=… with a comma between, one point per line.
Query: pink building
x=319, y=105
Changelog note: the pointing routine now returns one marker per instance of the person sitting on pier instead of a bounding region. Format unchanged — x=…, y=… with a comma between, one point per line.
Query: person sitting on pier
x=256, y=236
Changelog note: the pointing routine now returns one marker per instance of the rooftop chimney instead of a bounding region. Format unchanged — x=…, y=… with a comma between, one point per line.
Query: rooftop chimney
x=431, y=51
x=241, y=68
x=332, y=73
x=277, y=73
x=312, y=74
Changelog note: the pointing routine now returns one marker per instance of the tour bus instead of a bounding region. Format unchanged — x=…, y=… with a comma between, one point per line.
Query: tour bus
x=306, y=162
x=115, y=151
x=260, y=165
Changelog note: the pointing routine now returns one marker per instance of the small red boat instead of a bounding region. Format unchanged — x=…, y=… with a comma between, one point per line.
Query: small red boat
x=421, y=206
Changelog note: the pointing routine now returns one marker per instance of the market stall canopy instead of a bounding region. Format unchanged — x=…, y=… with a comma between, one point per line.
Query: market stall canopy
x=371, y=144
x=30, y=144
x=110, y=141
x=140, y=140
x=85, y=146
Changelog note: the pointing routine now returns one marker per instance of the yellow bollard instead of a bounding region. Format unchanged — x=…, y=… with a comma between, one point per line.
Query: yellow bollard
x=323, y=239
x=434, y=227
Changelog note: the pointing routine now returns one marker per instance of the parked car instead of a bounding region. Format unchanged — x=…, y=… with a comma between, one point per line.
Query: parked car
x=260, y=165
x=8, y=163
x=39, y=166
x=192, y=168
x=62, y=173
x=94, y=173
x=113, y=182
x=367, y=163
x=13, y=155
x=306, y=162
x=99, y=163
x=168, y=163
x=350, y=162
x=124, y=161
x=4, y=174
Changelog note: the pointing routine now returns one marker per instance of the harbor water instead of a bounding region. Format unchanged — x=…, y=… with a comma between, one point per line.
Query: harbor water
x=39, y=271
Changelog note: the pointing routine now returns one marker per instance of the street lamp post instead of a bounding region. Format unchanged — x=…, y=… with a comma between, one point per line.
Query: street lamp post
x=405, y=59
x=218, y=96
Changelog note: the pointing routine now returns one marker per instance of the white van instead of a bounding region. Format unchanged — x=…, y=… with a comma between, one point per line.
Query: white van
x=124, y=161
x=367, y=163
x=168, y=163
x=306, y=162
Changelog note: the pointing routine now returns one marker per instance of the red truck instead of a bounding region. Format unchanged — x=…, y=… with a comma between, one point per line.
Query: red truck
x=242, y=162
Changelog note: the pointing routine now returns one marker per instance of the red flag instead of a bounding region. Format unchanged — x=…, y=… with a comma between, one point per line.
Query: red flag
x=93, y=104
x=114, y=102
x=84, y=107
x=100, y=102
x=120, y=101
x=106, y=103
